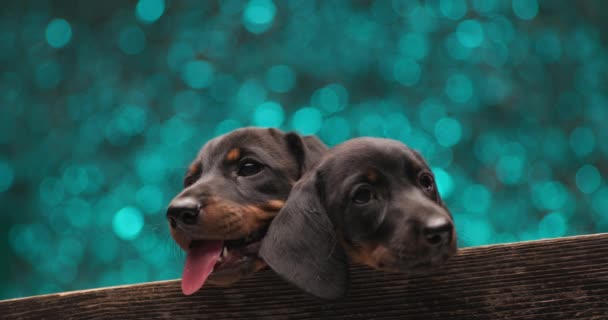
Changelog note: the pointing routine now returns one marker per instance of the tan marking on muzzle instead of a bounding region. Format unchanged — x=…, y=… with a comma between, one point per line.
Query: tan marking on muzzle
x=226, y=220
x=373, y=255
x=274, y=205
x=223, y=219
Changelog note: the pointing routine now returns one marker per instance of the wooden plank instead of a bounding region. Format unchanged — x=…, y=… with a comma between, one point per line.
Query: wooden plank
x=565, y=278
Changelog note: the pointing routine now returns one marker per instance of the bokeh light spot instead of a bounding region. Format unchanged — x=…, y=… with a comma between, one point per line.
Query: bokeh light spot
x=549, y=195
x=509, y=169
x=280, y=78
x=128, y=223
x=307, y=121
x=552, y=225
x=525, y=9
x=448, y=131
x=422, y=19
x=258, y=15
x=78, y=213
x=132, y=40
x=269, y=114
x=179, y=54
x=48, y=74
x=371, y=125
x=588, y=179
x=459, y=88
x=51, y=191
x=331, y=99
x=226, y=126
x=549, y=47
x=414, y=45
x=58, y=33
x=250, y=94
x=476, y=231
x=430, y=111
x=396, y=125
x=335, y=130
x=197, y=74
x=582, y=141
x=7, y=176
x=148, y=11
x=407, y=71
x=470, y=33
x=75, y=179
x=453, y=9
x=485, y=7
x=444, y=181
x=476, y=198
x=150, y=199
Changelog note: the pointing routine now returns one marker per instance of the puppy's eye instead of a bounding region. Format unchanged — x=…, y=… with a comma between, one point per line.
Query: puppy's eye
x=426, y=181
x=190, y=180
x=193, y=174
x=249, y=168
x=362, y=196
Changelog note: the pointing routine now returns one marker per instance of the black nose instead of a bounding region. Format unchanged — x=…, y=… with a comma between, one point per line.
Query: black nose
x=186, y=213
x=437, y=234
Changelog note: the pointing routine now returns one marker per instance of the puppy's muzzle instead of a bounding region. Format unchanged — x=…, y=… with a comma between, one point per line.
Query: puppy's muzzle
x=183, y=211
x=438, y=232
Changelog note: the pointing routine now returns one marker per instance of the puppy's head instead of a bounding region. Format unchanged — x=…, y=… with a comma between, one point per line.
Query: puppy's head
x=232, y=190
x=372, y=200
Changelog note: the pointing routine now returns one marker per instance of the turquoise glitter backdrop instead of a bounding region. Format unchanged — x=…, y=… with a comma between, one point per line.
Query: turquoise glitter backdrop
x=104, y=103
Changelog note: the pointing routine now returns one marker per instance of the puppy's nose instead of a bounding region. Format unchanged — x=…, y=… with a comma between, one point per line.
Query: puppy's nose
x=438, y=231
x=184, y=211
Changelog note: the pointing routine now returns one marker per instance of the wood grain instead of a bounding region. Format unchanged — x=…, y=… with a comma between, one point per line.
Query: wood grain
x=565, y=278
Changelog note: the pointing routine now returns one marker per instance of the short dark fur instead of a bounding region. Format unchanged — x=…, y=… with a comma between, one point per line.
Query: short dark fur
x=219, y=202
x=403, y=226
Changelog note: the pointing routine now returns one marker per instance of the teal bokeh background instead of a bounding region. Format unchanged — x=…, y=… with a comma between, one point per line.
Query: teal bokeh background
x=104, y=103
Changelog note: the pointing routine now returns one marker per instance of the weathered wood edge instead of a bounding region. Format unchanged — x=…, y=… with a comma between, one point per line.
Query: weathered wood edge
x=563, y=278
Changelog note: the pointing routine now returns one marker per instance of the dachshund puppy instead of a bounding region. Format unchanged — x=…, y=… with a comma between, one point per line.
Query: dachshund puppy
x=371, y=201
x=232, y=190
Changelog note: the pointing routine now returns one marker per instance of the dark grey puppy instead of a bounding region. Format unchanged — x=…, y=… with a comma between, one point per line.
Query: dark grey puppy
x=232, y=190
x=371, y=201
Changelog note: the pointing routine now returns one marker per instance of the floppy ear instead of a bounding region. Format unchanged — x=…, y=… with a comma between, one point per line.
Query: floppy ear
x=307, y=150
x=301, y=244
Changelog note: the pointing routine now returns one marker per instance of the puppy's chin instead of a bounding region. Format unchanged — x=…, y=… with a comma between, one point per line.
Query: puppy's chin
x=237, y=258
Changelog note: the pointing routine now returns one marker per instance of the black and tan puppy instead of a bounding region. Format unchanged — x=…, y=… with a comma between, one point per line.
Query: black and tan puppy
x=371, y=201
x=232, y=190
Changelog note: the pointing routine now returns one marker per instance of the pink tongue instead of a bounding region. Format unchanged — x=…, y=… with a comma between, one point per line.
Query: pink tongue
x=199, y=264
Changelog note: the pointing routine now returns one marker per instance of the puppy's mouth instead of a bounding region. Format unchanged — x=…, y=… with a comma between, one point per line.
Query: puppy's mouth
x=217, y=259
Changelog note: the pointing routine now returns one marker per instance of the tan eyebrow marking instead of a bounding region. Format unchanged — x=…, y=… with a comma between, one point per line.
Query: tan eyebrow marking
x=233, y=154
x=372, y=175
x=194, y=169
